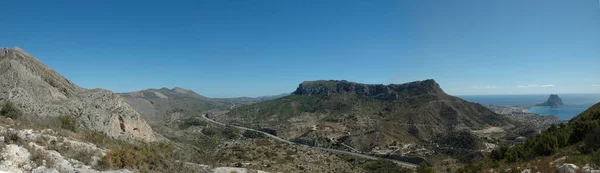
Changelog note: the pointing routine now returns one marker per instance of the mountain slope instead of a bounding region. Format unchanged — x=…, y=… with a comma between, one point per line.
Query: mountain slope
x=365, y=115
x=577, y=142
x=164, y=105
x=40, y=91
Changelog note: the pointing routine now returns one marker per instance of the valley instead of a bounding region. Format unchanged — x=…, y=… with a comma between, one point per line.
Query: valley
x=322, y=126
x=353, y=153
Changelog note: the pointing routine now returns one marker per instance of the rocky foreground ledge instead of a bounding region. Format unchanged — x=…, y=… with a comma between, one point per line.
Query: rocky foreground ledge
x=46, y=151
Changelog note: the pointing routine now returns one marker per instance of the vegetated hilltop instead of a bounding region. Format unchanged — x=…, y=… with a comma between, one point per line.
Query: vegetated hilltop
x=39, y=91
x=578, y=141
x=365, y=116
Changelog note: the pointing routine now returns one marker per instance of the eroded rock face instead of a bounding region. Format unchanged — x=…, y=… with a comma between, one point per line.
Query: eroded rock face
x=38, y=90
x=377, y=91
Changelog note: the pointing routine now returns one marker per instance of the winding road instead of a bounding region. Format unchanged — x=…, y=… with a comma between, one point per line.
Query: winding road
x=403, y=164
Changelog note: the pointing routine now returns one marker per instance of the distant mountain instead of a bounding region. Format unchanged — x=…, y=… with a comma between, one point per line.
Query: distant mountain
x=364, y=115
x=163, y=105
x=38, y=90
x=553, y=101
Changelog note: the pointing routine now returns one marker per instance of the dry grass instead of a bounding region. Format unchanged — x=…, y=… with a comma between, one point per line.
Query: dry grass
x=37, y=156
x=11, y=137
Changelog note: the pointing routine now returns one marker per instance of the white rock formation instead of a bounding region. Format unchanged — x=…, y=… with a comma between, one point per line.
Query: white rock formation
x=40, y=91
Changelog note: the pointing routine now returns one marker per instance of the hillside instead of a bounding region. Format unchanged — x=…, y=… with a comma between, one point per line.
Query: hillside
x=365, y=116
x=160, y=106
x=49, y=124
x=576, y=142
x=42, y=92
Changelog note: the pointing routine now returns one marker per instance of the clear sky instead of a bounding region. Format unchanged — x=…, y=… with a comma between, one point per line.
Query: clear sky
x=229, y=48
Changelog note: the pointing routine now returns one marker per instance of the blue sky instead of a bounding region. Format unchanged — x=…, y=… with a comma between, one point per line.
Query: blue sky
x=229, y=48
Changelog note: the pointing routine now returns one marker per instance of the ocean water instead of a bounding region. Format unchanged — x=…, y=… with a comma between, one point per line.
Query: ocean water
x=574, y=104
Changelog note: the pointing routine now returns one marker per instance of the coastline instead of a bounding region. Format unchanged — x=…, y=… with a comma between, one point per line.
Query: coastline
x=522, y=113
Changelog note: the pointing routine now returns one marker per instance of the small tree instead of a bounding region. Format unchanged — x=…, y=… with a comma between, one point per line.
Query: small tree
x=10, y=110
x=252, y=134
x=592, y=140
x=596, y=158
x=68, y=123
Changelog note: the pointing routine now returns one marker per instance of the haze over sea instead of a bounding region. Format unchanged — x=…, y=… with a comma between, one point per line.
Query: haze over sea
x=573, y=103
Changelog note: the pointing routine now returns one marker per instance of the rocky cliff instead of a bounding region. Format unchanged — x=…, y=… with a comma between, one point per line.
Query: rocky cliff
x=553, y=101
x=40, y=91
x=378, y=91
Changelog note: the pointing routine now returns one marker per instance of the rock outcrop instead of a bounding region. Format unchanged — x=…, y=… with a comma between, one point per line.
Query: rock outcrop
x=42, y=155
x=377, y=91
x=40, y=91
x=553, y=101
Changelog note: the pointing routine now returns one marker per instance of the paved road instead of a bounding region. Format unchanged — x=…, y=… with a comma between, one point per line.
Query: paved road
x=404, y=164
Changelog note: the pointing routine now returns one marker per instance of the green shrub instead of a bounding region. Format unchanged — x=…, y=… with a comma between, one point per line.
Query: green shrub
x=142, y=157
x=596, y=158
x=11, y=137
x=68, y=123
x=253, y=134
x=424, y=168
x=10, y=110
x=382, y=166
x=191, y=122
x=209, y=131
x=229, y=133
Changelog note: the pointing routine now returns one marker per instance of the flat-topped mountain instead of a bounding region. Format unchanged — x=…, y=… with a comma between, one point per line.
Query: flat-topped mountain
x=553, y=101
x=40, y=91
x=365, y=115
x=373, y=91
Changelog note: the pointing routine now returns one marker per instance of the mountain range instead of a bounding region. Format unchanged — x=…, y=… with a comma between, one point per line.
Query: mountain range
x=164, y=105
x=346, y=116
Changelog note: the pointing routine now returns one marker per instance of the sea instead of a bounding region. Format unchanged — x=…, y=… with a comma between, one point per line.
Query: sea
x=574, y=104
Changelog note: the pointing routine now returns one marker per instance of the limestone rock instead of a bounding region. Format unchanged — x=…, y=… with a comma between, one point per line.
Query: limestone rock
x=553, y=101
x=377, y=91
x=40, y=91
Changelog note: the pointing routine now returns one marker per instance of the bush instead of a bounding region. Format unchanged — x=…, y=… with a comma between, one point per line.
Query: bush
x=424, y=168
x=191, y=122
x=383, y=166
x=596, y=158
x=68, y=123
x=82, y=155
x=11, y=137
x=10, y=110
x=253, y=134
x=229, y=133
x=269, y=131
x=143, y=157
x=123, y=158
x=592, y=140
x=209, y=131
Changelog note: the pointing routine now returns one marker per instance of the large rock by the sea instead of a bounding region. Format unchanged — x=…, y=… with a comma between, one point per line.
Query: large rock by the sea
x=553, y=101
